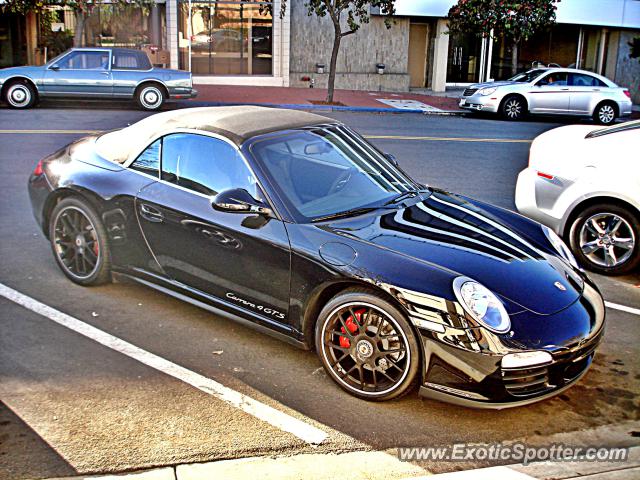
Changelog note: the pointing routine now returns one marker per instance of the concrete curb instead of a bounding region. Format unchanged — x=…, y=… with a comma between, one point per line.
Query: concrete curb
x=330, y=108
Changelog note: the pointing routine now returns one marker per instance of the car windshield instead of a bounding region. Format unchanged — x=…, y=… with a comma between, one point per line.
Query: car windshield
x=526, y=77
x=56, y=58
x=323, y=172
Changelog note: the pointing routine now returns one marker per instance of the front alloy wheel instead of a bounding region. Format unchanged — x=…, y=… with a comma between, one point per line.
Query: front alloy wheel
x=367, y=346
x=513, y=108
x=605, y=239
x=20, y=95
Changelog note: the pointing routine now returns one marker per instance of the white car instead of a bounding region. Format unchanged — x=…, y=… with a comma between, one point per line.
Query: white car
x=551, y=91
x=584, y=183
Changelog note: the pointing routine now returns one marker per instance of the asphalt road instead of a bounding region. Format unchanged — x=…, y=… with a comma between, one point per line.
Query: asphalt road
x=69, y=405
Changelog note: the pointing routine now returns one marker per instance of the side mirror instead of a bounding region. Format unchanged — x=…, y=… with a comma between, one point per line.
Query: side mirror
x=55, y=66
x=238, y=200
x=392, y=159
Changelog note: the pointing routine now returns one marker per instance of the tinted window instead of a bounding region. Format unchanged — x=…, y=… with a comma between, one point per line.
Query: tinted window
x=205, y=165
x=85, y=61
x=124, y=60
x=584, y=80
x=149, y=160
x=555, y=79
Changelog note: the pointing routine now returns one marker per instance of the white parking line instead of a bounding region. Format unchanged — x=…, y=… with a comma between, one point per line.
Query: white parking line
x=283, y=421
x=623, y=308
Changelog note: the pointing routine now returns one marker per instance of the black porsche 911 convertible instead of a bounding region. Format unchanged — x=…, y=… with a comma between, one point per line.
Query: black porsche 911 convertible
x=292, y=223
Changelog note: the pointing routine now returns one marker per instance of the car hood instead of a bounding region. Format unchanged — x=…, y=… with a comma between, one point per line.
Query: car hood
x=454, y=233
x=10, y=71
x=501, y=83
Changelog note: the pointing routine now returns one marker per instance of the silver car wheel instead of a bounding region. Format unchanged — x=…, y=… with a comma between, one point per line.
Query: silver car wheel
x=151, y=97
x=607, y=239
x=606, y=114
x=513, y=108
x=19, y=95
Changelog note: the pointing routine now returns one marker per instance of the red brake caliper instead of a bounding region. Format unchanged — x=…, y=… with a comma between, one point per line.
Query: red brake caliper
x=352, y=326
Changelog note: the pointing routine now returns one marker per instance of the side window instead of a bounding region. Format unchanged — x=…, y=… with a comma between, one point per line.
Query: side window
x=85, y=61
x=205, y=165
x=584, y=80
x=554, y=79
x=130, y=61
x=149, y=160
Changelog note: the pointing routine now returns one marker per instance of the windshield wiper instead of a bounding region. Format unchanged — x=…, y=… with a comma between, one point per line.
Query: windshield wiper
x=348, y=213
x=404, y=195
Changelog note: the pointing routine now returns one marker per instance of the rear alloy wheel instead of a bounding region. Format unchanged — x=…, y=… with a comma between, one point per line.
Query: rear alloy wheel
x=513, y=108
x=79, y=243
x=150, y=97
x=20, y=95
x=367, y=346
x=605, y=114
x=604, y=238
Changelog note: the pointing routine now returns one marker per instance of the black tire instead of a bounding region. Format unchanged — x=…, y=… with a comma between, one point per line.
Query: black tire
x=605, y=113
x=593, y=243
x=379, y=327
x=150, y=96
x=79, y=242
x=513, y=107
x=20, y=95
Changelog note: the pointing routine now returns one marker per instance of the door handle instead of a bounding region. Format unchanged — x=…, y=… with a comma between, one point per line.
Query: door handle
x=105, y=73
x=151, y=214
x=564, y=89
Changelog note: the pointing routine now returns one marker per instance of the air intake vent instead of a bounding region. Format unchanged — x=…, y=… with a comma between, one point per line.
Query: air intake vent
x=469, y=91
x=523, y=382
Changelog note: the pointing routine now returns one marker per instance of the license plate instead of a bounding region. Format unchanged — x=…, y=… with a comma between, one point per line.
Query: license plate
x=463, y=102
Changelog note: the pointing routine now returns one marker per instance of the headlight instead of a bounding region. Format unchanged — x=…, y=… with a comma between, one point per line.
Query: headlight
x=559, y=246
x=479, y=302
x=487, y=91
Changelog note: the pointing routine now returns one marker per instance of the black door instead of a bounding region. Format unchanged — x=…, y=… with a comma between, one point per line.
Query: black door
x=225, y=255
x=463, y=64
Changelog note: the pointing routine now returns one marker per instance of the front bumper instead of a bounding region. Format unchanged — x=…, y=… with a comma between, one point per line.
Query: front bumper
x=480, y=103
x=469, y=371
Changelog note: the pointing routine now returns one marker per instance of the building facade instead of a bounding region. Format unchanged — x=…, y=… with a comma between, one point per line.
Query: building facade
x=248, y=43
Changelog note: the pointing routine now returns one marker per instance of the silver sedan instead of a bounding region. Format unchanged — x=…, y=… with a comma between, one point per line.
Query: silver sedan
x=549, y=91
x=97, y=73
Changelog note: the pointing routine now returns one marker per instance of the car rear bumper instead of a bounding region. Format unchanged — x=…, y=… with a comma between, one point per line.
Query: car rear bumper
x=184, y=95
x=536, y=198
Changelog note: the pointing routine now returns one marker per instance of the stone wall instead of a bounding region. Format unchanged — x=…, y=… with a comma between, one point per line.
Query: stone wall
x=628, y=69
x=312, y=41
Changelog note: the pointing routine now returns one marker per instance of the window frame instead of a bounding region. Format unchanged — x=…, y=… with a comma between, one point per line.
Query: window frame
x=572, y=75
x=160, y=136
x=538, y=84
x=88, y=50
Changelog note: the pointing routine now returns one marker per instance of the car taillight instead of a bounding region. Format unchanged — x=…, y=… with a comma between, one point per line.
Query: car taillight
x=38, y=170
x=546, y=176
x=627, y=93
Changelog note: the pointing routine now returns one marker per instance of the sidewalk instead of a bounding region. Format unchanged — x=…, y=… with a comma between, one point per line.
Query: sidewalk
x=312, y=98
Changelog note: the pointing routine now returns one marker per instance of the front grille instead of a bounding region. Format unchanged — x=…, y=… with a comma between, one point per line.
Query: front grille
x=469, y=91
x=522, y=382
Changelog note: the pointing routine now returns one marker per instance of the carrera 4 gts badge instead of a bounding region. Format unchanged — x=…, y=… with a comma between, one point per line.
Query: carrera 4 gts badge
x=253, y=306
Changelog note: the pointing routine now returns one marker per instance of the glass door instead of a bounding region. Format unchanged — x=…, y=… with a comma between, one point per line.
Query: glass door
x=464, y=58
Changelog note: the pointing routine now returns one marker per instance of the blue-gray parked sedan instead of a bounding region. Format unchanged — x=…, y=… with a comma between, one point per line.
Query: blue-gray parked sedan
x=97, y=73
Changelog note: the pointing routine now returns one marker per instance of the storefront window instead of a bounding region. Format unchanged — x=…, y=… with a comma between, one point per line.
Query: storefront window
x=116, y=25
x=556, y=46
x=225, y=38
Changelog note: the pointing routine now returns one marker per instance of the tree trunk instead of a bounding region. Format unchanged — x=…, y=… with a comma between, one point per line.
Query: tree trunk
x=514, y=58
x=78, y=37
x=334, y=60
